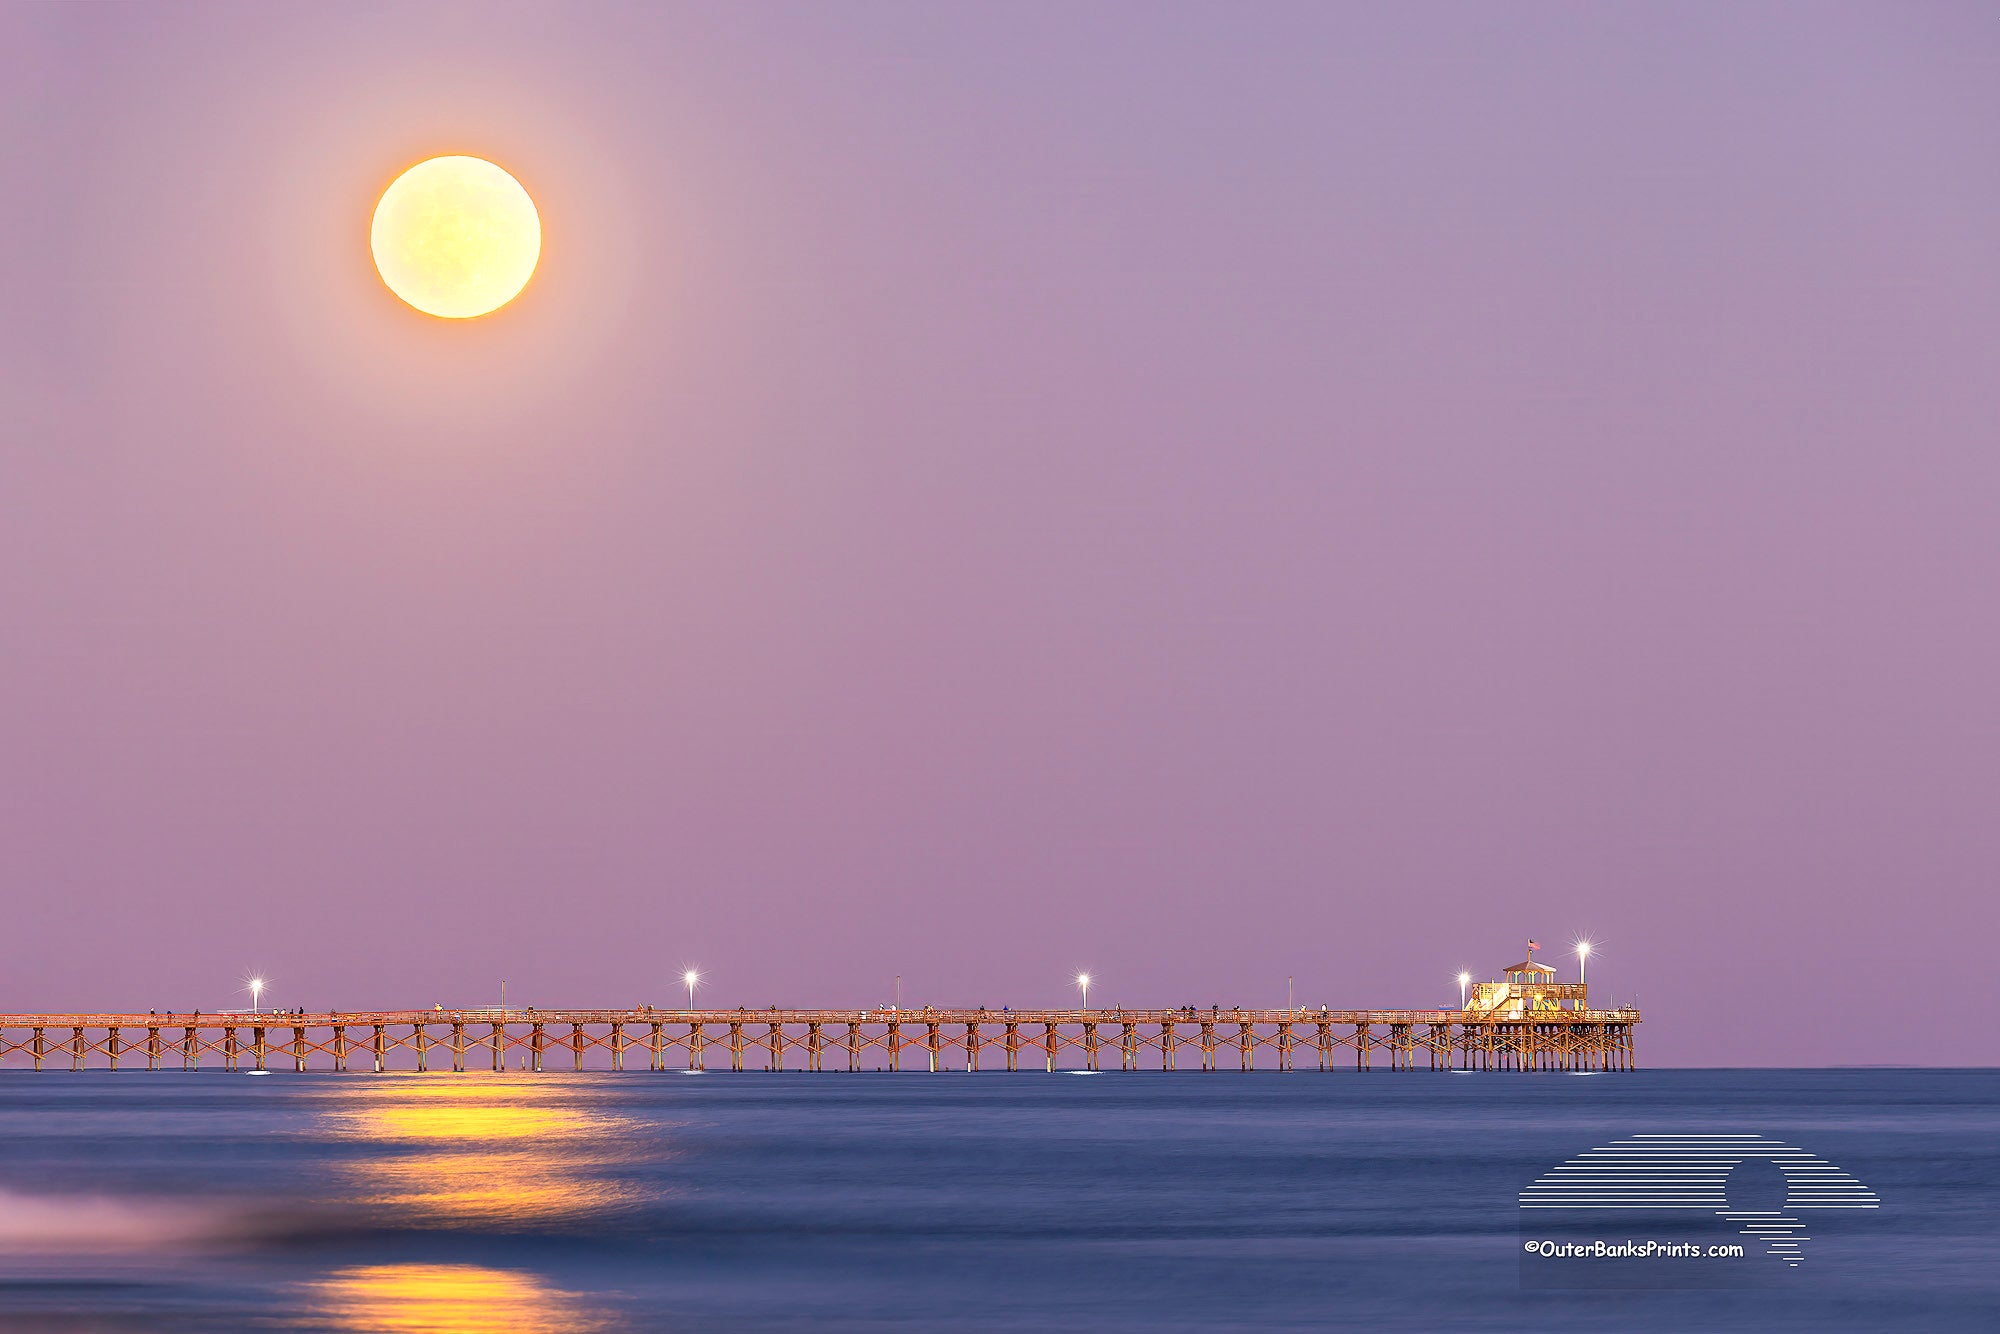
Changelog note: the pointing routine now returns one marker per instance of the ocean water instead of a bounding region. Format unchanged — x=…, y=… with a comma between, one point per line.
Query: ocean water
x=638, y=1201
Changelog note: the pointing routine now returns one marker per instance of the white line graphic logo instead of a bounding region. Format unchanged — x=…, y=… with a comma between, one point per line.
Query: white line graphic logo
x=1695, y=1172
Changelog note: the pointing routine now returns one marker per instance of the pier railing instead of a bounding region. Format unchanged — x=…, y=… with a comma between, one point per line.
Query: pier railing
x=852, y=1040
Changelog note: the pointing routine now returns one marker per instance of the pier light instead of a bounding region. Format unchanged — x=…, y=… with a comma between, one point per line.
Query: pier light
x=1083, y=985
x=1463, y=980
x=256, y=992
x=692, y=978
x=1582, y=959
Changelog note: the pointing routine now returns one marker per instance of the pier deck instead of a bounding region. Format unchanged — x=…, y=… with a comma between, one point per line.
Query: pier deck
x=846, y=1040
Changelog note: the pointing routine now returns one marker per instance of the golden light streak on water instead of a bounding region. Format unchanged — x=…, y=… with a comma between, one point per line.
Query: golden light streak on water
x=446, y=1299
x=484, y=1152
x=489, y=1191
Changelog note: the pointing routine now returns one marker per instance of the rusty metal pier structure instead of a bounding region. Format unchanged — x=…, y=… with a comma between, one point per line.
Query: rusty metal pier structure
x=1499, y=1037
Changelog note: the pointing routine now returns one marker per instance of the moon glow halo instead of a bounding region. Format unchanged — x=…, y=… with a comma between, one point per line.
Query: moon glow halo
x=456, y=237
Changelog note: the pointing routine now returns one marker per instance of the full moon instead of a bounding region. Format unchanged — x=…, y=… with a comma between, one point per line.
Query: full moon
x=456, y=237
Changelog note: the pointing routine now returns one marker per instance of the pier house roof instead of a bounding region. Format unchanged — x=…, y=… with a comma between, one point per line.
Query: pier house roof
x=1532, y=966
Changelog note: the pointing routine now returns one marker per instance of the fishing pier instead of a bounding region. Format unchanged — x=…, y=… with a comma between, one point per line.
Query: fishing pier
x=849, y=1040
x=1527, y=1022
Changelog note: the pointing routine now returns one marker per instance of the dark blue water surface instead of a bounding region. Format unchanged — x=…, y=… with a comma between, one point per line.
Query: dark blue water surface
x=569, y=1202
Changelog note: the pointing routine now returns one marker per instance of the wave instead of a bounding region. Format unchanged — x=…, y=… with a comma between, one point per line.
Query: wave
x=45, y=1224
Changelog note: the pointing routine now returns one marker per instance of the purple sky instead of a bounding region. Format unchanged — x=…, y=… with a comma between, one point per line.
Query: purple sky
x=1201, y=496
